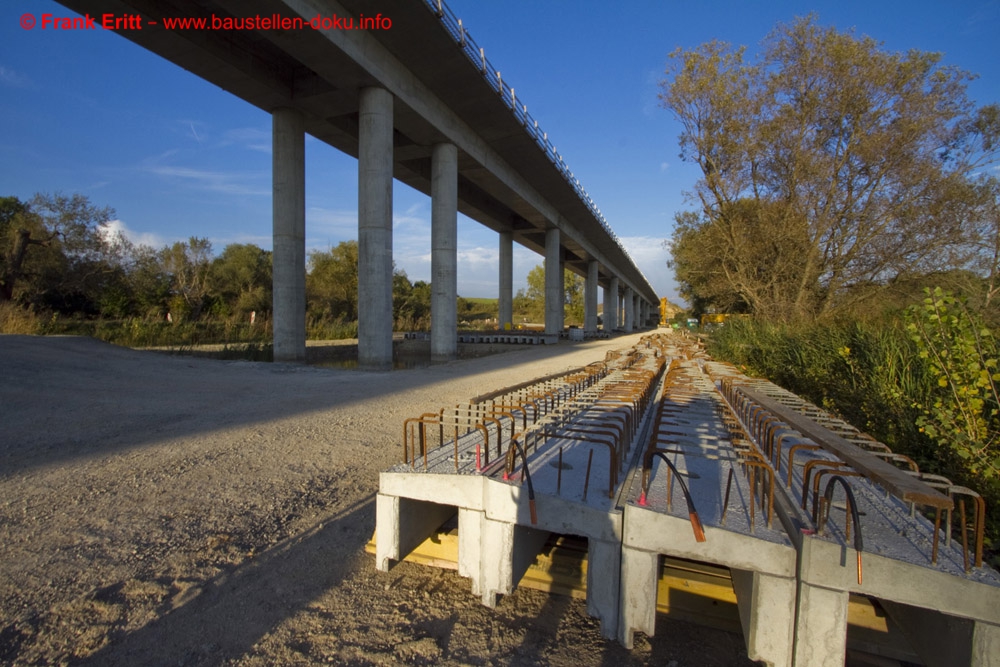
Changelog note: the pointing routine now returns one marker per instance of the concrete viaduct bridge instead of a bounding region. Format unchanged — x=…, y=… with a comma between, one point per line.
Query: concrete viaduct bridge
x=413, y=98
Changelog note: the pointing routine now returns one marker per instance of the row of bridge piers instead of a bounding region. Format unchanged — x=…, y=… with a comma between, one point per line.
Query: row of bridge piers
x=624, y=308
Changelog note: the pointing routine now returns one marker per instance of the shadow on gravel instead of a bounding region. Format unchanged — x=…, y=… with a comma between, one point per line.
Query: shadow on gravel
x=235, y=610
x=66, y=398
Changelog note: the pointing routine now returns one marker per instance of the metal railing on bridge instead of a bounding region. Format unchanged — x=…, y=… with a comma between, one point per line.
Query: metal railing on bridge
x=477, y=56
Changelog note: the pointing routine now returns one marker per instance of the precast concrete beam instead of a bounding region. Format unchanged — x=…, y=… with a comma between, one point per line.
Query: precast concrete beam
x=401, y=524
x=820, y=627
x=289, y=234
x=505, y=315
x=507, y=551
x=470, y=551
x=444, y=252
x=603, y=594
x=639, y=573
x=590, y=298
x=767, y=618
x=553, y=282
x=375, y=229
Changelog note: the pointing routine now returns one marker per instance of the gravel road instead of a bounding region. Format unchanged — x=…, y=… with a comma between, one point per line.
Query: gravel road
x=167, y=510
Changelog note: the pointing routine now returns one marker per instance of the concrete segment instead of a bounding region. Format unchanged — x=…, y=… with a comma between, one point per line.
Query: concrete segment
x=402, y=524
x=606, y=317
x=505, y=319
x=289, y=235
x=603, y=592
x=553, y=282
x=767, y=618
x=629, y=310
x=611, y=310
x=444, y=252
x=582, y=426
x=820, y=627
x=375, y=230
x=590, y=298
x=793, y=607
x=896, y=565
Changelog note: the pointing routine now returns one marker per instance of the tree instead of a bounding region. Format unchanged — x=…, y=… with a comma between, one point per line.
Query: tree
x=411, y=302
x=188, y=263
x=55, y=251
x=241, y=278
x=332, y=282
x=864, y=155
x=533, y=299
x=15, y=235
x=747, y=258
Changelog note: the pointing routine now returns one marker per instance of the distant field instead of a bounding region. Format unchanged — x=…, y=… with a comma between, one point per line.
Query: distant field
x=481, y=301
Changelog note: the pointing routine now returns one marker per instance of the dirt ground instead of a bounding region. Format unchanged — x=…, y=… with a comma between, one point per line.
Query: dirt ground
x=166, y=510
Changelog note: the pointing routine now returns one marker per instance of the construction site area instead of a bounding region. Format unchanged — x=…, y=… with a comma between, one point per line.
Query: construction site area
x=622, y=501
x=657, y=481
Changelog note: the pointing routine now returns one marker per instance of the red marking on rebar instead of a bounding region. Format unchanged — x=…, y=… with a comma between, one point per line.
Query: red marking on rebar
x=479, y=466
x=505, y=476
x=642, y=499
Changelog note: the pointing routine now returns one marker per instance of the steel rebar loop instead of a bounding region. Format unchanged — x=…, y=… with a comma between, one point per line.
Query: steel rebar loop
x=852, y=515
x=699, y=531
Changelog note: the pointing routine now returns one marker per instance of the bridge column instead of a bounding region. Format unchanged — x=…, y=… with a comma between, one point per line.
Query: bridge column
x=288, y=210
x=505, y=315
x=590, y=298
x=629, y=310
x=611, y=306
x=375, y=229
x=553, y=282
x=444, y=252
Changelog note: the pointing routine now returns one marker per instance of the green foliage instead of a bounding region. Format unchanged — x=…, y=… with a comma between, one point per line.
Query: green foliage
x=240, y=279
x=530, y=303
x=332, y=282
x=477, y=313
x=962, y=413
x=411, y=303
x=827, y=164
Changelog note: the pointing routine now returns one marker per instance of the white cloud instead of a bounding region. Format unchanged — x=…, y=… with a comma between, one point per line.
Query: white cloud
x=12, y=78
x=229, y=183
x=118, y=229
x=250, y=138
x=650, y=254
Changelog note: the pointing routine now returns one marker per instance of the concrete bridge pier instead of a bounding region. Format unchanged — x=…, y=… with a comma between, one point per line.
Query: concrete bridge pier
x=505, y=315
x=590, y=298
x=288, y=173
x=375, y=229
x=553, y=282
x=629, y=310
x=611, y=306
x=444, y=252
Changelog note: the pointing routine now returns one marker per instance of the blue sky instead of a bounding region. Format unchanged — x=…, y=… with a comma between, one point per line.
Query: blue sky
x=90, y=112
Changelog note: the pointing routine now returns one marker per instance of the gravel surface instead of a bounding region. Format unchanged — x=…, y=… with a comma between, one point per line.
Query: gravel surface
x=166, y=510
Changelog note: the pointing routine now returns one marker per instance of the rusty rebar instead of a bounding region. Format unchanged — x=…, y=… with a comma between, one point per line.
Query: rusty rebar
x=852, y=515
